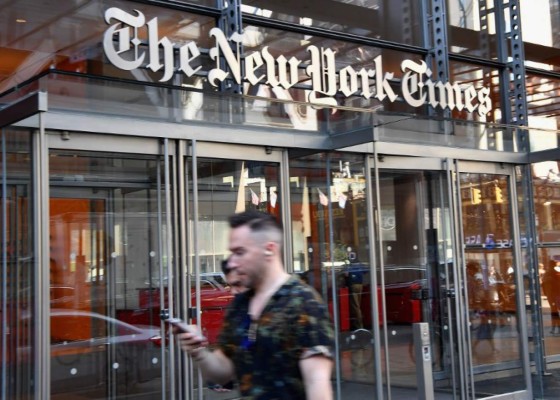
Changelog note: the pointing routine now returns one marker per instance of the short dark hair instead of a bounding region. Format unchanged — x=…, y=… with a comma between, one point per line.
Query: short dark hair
x=259, y=222
x=256, y=220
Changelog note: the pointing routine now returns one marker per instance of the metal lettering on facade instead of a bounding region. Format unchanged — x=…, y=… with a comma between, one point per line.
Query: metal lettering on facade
x=121, y=44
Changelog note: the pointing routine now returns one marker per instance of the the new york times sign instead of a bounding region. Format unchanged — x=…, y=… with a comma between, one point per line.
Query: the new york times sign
x=121, y=44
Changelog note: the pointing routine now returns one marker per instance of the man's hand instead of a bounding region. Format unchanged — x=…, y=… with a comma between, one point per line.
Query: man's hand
x=192, y=341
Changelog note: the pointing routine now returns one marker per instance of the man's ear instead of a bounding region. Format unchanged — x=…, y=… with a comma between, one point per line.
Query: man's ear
x=269, y=248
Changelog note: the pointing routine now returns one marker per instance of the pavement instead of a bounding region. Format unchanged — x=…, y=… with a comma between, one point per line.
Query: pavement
x=547, y=388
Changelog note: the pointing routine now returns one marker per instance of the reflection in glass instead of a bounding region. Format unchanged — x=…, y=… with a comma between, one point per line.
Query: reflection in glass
x=328, y=197
x=416, y=247
x=487, y=78
x=105, y=256
x=471, y=28
x=395, y=20
x=225, y=187
x=53, y=31
x=490, y=273
x=541, y=100
x=546, y=191
x=347, y=55
x=18, y=259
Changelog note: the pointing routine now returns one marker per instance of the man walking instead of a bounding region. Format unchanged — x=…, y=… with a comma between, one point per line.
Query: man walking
x=277, y=337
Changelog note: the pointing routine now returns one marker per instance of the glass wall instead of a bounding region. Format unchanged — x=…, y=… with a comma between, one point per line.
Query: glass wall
x=487, y=83
x=36, y=37
x=541, y=33
x=472, y=28
x=17, y=266
x=226, y=187
x=542, y=108
x=381, y=19
x=351, y=58
x=546, y=184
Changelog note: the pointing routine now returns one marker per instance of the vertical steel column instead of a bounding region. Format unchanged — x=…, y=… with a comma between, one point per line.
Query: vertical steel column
x=438, y=50
x=509, y=35
x=230, y=23
x=484, y=51
x=516, y=113
x=438, y=59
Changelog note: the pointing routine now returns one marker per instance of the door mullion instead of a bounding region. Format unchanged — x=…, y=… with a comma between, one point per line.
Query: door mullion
x=466, y=381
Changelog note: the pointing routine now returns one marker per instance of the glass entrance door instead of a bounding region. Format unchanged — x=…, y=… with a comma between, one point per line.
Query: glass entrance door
x=414, y=270
x=107, y=273
x=222, y=180
x=494, y=278
x=435, y=224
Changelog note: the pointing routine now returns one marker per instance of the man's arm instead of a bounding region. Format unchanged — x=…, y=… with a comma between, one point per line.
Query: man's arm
x=214, y=365
x=316, y=372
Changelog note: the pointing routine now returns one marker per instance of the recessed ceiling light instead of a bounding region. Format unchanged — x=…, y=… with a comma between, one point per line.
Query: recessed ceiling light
x=21, y=20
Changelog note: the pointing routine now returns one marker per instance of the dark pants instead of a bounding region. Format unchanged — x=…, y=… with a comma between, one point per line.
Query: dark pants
x=356, y=305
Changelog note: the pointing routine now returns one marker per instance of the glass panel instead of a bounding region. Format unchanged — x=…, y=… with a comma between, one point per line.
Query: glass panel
x=17, y=290
x=328, y=192
x=472, y=28
x=353, y=57
x=540, y=27
x=416, y=250
x=481, y=78
x=549, y=272
x=389, y=20
x=104, y=252
x=542, y=107
x=36, y=37
x=491, y=285
x=546, y=191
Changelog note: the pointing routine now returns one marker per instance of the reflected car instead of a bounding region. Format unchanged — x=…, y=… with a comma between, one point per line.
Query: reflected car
x=404, y=290
x=87, y=349
x=214, y=300
x=405, y=287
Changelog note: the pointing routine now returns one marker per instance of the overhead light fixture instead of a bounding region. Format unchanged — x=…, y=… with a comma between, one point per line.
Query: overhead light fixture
x=21, y=20
x=547, y=203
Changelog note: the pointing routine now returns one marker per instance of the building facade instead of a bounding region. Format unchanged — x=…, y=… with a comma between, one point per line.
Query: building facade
x=410, y=146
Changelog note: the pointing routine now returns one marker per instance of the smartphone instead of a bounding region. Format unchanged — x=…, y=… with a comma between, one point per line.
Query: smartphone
x=181, y=325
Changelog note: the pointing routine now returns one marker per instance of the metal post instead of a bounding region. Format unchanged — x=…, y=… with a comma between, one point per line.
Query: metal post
x=423, y=353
